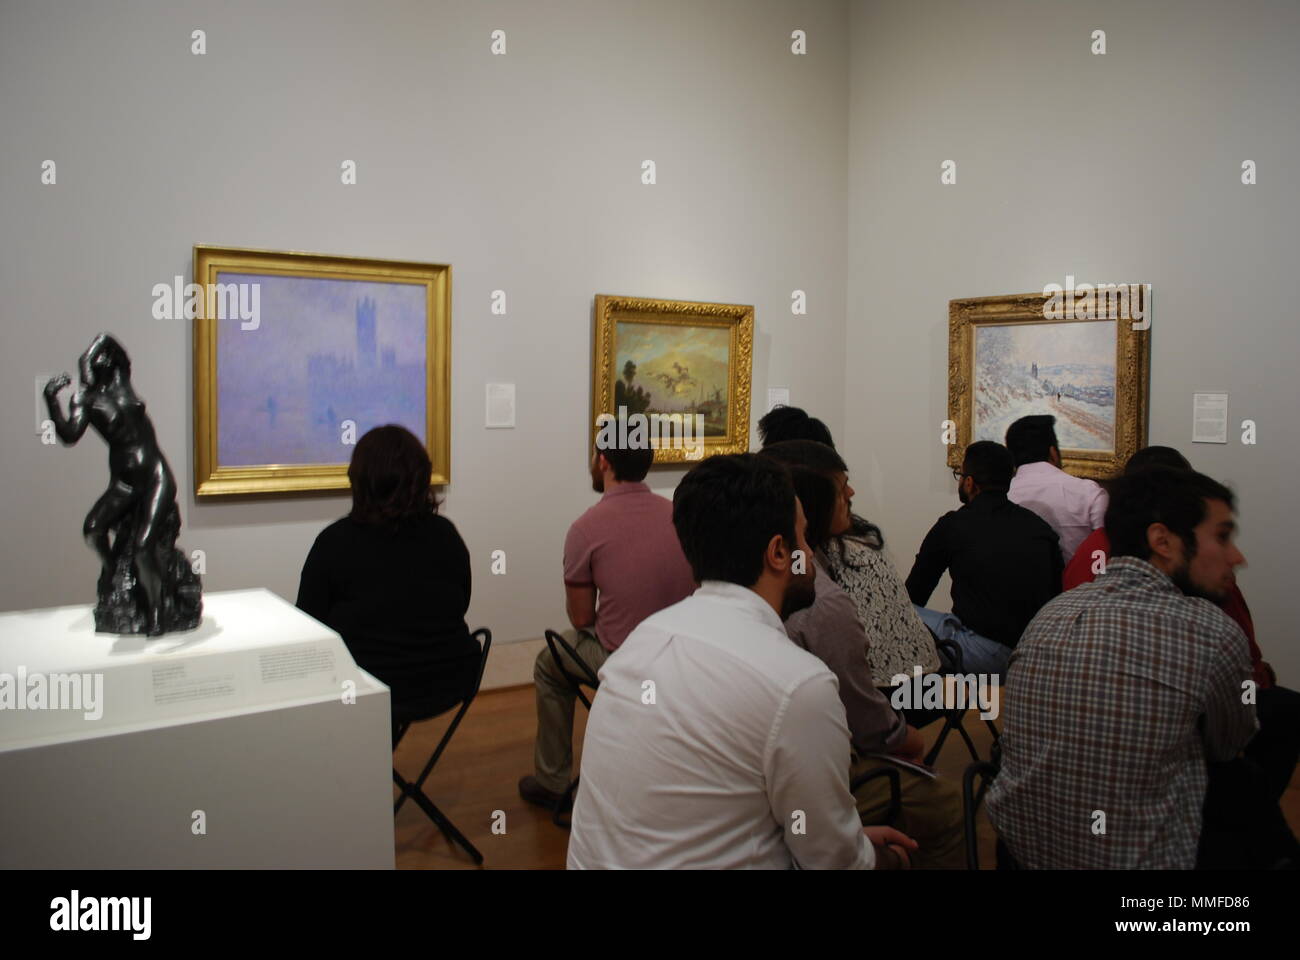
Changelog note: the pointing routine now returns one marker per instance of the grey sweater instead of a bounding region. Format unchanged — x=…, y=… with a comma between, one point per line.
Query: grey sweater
x=830, y=630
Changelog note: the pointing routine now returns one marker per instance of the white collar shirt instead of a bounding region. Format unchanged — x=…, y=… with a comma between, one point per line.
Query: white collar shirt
x=715, y=742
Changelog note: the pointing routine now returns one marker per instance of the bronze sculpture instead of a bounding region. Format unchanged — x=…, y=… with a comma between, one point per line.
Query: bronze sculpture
x=146, y=584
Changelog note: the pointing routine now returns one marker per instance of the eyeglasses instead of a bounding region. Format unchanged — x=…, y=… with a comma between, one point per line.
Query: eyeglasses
x=957, y=474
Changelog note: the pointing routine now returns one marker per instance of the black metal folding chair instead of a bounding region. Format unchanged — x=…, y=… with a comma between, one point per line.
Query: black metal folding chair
x=950, y=662
x=415, y=790
x=972, y=796
x=555, y=642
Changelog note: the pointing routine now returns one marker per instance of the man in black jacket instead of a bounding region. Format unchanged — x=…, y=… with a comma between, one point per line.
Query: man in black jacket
x=1005, y=563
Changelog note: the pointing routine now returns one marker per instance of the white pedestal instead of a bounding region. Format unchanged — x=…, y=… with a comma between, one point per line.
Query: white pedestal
x=244, y=719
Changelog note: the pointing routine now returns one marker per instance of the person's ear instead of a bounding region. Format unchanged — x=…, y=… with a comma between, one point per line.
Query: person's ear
x=1164, y=543
x=777, y=555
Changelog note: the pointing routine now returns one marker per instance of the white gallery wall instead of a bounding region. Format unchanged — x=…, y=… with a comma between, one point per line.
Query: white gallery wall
x=522, y=171
x=775, y=172
x=1111, y=168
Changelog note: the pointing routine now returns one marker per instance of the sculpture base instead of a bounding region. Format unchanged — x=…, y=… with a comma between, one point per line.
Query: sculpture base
x=122, y=607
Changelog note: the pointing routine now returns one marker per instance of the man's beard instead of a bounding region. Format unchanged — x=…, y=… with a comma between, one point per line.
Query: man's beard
x=597, y=481
x=799, y=595
x=1182, y=578
x=961, y=495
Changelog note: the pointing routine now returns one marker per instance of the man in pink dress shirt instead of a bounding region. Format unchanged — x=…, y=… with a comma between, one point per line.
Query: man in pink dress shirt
x=1072, y=506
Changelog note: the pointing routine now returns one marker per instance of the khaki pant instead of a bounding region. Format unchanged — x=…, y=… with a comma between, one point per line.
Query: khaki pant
x=553, y=753
x=931, y=813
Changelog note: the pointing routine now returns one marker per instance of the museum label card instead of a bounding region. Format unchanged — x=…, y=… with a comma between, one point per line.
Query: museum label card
x=1209, y=418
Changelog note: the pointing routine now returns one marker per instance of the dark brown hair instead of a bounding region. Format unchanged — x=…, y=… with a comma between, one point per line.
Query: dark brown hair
x=389, y=474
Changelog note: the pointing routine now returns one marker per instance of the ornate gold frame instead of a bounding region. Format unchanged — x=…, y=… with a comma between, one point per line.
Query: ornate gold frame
x=740, y=319
x=1132, y=377
x=214, y=479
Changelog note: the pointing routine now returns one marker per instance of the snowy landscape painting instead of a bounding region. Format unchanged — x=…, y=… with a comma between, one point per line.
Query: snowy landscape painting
x=1065, y=369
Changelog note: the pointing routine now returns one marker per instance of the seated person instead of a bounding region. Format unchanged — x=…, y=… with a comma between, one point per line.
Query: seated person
x=830, y=629
x=1005, y=563
x=1125, y=687
x=1073, y=506
x=853, y=556
x=791, y=423
x=1276, y=746
x=393, y=579
x=714, y=741
x=622, y=562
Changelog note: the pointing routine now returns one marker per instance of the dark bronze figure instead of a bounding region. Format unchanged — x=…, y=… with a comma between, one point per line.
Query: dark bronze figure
x=146, y=584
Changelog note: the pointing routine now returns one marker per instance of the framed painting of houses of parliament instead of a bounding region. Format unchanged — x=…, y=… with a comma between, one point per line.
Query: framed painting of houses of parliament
x=681, y=367
x=297, y=355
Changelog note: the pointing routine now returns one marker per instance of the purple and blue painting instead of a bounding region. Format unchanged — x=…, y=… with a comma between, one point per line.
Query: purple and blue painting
x=324, y=352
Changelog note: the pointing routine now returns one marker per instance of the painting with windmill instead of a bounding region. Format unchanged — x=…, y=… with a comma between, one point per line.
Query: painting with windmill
x=679, y=359
x=674, y=369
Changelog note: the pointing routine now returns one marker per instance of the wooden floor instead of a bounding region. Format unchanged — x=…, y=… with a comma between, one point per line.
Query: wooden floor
x=476, y=781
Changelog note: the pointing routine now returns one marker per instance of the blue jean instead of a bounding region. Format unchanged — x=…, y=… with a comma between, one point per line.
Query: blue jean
x=979, y=654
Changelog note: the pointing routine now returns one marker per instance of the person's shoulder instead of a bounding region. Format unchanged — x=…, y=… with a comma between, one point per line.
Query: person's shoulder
x=588, y=520
x=952, y=516
x=341, y=530
x=1215, y=624
x=765, y=649
x=1031, y=519
x=1084, y=483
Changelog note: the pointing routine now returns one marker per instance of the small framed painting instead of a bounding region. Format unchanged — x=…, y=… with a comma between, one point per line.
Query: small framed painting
x=1019, y=355
x=678, y=369
x=297, y=355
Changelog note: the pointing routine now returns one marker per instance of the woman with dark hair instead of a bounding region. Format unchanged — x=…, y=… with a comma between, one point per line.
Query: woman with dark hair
x=856, y=559
x=393, y=578
x=852, y=554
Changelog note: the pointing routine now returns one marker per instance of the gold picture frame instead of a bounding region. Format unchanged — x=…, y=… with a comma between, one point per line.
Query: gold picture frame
x=304, y=335
x=1079, y=401
x=681, y=369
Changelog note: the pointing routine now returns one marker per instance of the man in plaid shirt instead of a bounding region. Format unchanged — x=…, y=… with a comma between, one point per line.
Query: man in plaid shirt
x=1121, y=690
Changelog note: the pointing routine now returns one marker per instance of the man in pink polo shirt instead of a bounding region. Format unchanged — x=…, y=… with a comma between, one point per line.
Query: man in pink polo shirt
x=622, y=563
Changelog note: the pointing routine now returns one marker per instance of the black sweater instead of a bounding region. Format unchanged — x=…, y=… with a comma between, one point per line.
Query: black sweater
x=398, y=598
x=1005, y=563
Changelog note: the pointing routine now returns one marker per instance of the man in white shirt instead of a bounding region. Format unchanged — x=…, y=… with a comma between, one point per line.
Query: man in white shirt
x=715, y=742
x=1072, y=506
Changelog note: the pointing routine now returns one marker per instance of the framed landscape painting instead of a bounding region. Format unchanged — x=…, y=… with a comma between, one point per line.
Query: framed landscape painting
x=1007, y=358
x=683, y=366
x=297, y=355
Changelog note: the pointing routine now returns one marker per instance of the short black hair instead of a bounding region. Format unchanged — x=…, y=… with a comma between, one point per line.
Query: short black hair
x=630, y=465
x=1156, y=457
x=791, y=423
x=727, y=510
x=1030, y=439
x=1165, y=495
x=989, y=465
x=812, y=454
